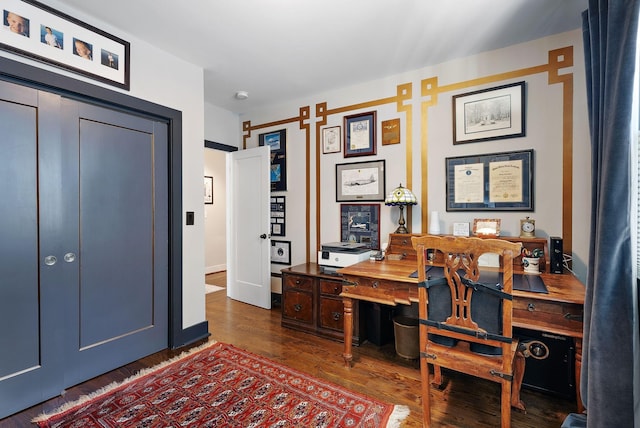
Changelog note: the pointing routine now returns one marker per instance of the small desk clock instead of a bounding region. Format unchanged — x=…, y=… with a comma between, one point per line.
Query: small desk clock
x=527, y=228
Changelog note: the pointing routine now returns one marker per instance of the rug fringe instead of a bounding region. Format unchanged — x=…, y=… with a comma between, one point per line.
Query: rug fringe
x=110, y=387
x=399, y=414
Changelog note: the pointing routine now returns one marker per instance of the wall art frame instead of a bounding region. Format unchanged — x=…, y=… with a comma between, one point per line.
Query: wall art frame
x=208, y=190
x=360, y=181
x=40, y=32
x=360, y=134
x=490, y=182
x=489, y=114
x=360, y=223
x=277, y=142
x=390, y=132
x=278, y=216
x=281, y=252
x=332, y=139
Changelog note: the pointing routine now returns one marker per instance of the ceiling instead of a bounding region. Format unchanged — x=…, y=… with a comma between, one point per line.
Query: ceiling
x=280, y=50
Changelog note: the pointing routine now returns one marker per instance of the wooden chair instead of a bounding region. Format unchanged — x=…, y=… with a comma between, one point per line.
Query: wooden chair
x=466, y=325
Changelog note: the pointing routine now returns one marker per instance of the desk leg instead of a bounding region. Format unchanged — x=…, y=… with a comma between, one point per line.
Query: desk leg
x=578, y=370
x=348, y=330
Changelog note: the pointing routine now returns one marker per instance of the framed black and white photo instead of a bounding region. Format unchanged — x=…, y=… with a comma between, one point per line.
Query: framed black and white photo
x=331, y=140
x=360, y=223
x=360, y=181
x=278, y=216
x=281, y=252
x=490, y=182
x=360, y=134
x=39, y=32
x=277, y=142
x=489, y=114
x=208, y=190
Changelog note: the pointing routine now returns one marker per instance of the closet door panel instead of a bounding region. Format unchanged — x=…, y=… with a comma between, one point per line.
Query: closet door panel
x=120, y=314
x=30, y=369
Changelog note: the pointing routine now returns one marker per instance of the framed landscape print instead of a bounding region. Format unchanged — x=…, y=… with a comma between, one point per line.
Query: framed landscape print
x=489, y=114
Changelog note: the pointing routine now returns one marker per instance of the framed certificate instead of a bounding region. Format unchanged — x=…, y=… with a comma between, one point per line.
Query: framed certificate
x=490, y=182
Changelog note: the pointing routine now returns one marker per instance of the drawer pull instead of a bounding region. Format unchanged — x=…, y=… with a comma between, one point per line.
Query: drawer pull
x=336, y=289
x=405, y=242
x=348, y=283
x=298, y=282
x=531, y=307
x=297, y=307
x=573, y=317
x=336, y=315
x=375, y=284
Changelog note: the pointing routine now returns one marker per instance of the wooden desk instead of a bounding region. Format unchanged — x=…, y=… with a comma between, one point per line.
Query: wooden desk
x=388, y=282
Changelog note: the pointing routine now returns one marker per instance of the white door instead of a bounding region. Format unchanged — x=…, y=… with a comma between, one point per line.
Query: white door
x=248, y=215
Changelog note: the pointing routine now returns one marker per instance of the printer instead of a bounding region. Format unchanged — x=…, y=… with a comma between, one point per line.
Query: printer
x=336, y=255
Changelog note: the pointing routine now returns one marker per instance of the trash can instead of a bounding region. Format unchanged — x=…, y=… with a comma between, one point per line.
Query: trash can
x=406, y=332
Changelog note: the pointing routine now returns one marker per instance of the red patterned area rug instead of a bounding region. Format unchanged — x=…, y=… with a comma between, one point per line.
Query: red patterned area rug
x=219, y=385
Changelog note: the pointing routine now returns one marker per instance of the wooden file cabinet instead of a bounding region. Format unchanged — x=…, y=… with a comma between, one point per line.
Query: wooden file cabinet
x=311, y=302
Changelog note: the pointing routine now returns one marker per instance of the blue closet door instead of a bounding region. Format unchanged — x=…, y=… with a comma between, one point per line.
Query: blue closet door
x=83, y=242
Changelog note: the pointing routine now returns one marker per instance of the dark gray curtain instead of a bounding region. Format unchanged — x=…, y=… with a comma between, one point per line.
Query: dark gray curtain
x=611, y=306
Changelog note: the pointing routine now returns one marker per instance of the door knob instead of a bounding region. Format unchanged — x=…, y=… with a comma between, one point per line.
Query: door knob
x=50, y=260
x=69, y=257
x=265, y=236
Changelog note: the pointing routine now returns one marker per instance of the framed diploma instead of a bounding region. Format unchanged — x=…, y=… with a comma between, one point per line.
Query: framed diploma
x=360, y=134
x=490, y=182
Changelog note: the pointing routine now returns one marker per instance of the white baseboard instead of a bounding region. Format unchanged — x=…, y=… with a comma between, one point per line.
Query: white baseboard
x=215, y=268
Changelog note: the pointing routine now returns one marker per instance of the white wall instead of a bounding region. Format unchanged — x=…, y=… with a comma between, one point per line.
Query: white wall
x=215, y=215
x=543, y=134
x=166, y=80
x=221, y=126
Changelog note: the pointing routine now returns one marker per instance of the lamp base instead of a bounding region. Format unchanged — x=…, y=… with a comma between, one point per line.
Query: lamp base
x=401, y=222
x=401, y=229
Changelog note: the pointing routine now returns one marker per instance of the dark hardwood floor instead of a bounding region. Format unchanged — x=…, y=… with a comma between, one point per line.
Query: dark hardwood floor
x=377, y=371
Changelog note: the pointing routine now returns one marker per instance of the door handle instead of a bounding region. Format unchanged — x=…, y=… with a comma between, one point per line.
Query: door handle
x=265, y=236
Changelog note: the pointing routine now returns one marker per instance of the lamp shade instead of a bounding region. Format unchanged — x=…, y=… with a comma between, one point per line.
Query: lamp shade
x=400, y=196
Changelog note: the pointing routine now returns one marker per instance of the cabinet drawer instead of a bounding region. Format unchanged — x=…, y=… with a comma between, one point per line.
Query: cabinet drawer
x=298, y=306
x=377, y=290
x=557, y=315
x=331, y=314
x=330, y=287
x=298, y=282
x=400, y=244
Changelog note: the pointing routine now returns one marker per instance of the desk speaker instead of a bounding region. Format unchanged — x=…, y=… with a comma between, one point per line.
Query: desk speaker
x=550, y=362
x=556, y=254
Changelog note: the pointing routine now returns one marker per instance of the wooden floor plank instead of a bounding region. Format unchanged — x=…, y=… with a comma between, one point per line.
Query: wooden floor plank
x=377, y=371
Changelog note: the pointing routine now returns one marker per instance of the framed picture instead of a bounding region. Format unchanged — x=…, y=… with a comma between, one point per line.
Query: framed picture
x=390, y=132
x=281, y=252
x=360, y=224
x=360, y=181
x=278, y=219
x=490, y=182
x=208, y=190
x=486, y=227
x=277, y=142
x=39, y=32
x=360, y=134
x=489, y=114
x=331, y=140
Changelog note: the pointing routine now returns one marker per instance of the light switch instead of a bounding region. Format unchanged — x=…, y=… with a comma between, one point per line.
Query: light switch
x=190, y=218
